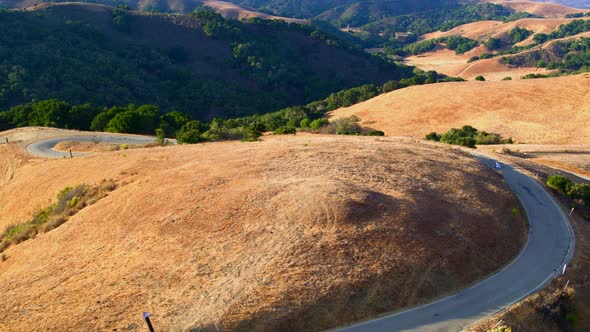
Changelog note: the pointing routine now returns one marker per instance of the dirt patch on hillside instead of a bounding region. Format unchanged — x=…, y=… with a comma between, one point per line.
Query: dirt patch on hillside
x=548, y=111
x=292, y=233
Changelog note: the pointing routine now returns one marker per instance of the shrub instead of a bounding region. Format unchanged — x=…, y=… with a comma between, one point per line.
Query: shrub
x=484, y=138
x=581, y=191
x=305, y=123
x=480, y=78
x=559, y=183
x=493, y=44
x=347, y=126
x=473, y=58
x=466, y=141
x=507, y=78
x=160, y=136
x=374, y=133
x=500, y=329
x=190, y=133
x=285, y=130
x=467, y=136
x=318, y=123
x=433, y=136
x=69, y=202
x=255, y=130
x=533, y=76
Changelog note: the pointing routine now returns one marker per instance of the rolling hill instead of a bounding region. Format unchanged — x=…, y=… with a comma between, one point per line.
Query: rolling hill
x=291, y=233
x=545, y=111
x=200, y=64
x=468, y=65
x=571, y=3
x=549, y=9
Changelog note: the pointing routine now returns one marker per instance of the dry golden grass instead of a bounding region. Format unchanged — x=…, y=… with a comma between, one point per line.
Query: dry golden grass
x=572, y=158
x=297, y=233
x=449, y=63
x=546, y=111
x=232, y=11
x=77, y=146
x=549, y=10
x=483, y=30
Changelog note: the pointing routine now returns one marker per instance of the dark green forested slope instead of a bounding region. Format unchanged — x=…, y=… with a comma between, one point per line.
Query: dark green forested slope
x=200, y=64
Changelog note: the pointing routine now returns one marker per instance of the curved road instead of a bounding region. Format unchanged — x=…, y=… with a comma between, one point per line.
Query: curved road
x=549, y=246
x=45, y=148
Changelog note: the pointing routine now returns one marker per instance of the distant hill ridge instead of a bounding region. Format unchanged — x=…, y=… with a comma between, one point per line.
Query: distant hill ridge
x=199, y=64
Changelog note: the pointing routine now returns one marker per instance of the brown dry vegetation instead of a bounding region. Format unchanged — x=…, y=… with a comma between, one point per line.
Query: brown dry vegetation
x=77, y=146
x=447, y=62
x=298, y=233
x=546, y=111
x=483, y=30
x=549, y=10
x=232, y=11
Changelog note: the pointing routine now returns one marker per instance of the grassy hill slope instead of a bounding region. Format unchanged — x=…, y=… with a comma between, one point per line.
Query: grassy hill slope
x=553, y=9
x=297, y=234
x=552, y=110
x=203, y=65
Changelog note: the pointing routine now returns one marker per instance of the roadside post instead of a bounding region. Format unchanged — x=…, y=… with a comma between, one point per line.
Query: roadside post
x=71, y=155
x=146, y=316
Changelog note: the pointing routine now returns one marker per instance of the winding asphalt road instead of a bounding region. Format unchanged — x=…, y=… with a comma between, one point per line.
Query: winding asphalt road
x=45, y=148
x=550, y=245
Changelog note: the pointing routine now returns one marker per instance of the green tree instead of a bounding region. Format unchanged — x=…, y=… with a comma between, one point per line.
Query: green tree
x=160, y=136
x=493, y=44
x=100, y=122
x=255, y=130
x=480, y=78
x=433, y=136
x=190, y=133
x=125, y=122
x=49, y=113
x=285, y=130
x=318, y=123
x=305, y=123
x=540, y=38
x=581, y=191
x=559, y=183
x=172, y=122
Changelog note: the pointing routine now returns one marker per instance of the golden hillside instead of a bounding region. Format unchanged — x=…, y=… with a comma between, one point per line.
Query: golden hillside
x=544, y=9
x=447, y=62
x=552, y=110
x=300, y=233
